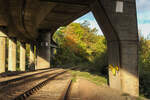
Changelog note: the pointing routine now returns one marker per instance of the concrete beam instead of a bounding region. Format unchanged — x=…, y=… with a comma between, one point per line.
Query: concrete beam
x=43, y=51
x=12, y=54
x=22, y=56
x=66, y=2
x=2, y=51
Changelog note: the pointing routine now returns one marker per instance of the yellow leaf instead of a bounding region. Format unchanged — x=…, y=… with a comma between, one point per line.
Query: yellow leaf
x=117, y=68
x=114, y=71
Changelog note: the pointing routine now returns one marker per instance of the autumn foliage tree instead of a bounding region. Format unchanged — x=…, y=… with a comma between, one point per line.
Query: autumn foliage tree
x=79, y=44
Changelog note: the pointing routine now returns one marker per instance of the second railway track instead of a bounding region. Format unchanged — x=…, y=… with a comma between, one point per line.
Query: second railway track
x=23, y=89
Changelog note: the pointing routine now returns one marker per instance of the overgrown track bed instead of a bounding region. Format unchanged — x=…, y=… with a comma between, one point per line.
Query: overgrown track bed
x=15, y=89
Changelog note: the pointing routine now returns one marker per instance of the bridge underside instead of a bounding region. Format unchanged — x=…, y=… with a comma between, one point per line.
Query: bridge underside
x=35, y=21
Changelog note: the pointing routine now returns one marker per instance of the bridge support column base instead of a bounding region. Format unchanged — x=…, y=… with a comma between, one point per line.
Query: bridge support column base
x=2, y=51
x=129, y=67
x=126, y=79
x=12, y=54
x=31, y=58
x=43, y=52
x=22, y=57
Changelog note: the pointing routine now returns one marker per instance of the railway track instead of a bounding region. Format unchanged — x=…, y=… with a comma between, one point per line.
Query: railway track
x=9, y=79
x=30, y=86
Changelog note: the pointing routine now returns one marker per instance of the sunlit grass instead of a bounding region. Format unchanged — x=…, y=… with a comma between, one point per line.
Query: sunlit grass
x=98, y=80
x=141, y=98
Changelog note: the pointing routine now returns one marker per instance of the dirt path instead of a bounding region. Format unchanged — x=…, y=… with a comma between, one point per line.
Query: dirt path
x=85, y=90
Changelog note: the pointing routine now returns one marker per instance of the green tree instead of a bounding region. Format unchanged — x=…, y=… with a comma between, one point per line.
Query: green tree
x=79, y=44
x=144, y=66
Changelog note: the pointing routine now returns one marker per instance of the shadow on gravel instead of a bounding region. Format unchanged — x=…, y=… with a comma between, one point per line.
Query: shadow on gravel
x=23, y=82
x=9, y=73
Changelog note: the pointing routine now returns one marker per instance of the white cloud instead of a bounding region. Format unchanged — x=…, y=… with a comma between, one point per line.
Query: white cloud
x=93, y=24
x=143, y=5
x=143, y=15
x=144, y=29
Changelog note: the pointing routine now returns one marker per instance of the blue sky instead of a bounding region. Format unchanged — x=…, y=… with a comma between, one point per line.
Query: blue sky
x=143, y=16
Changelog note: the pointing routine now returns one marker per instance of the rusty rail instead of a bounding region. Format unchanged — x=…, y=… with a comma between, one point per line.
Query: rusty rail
x=31, y=91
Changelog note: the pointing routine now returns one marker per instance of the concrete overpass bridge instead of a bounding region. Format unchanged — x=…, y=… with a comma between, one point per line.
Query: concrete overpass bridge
x=35, y=21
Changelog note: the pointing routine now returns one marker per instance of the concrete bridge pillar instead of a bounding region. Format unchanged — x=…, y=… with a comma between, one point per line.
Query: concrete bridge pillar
x=22, y=56
x=31, y=57
x=12, y=54
x=118, y=21
x=126, y=79
x=2, y=51
x=129, y=67
x=43, y=51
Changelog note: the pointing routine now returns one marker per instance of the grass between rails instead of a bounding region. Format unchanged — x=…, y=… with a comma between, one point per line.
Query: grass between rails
x=98, y=80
